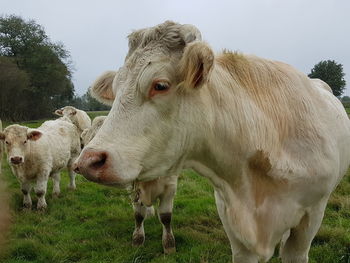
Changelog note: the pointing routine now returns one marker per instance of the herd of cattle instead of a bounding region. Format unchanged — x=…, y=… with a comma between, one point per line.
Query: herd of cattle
x=35, y=155
x=273, y=142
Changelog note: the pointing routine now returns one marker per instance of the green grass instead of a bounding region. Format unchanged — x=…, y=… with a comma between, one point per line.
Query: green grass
x=347, y=110
x=95, y=224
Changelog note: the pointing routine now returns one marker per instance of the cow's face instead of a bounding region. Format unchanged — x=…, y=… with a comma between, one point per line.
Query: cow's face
x=16, y=139
x=149, y=127
x=68, y=112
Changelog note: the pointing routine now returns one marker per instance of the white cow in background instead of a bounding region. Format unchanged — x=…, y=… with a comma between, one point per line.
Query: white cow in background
x=37, y=154
x=272, y=142
x=145, y=195
x=78, y=117
x=89, y=133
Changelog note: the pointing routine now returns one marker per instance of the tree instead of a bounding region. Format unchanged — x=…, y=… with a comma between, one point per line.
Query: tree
x=13, y=85
x=47, y=65
x=332, y=73
x=345, y=99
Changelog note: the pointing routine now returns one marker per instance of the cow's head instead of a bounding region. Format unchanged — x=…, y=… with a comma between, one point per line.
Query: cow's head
x=148, y=131
x=66, y=111
x=69, y=113
x=17, y=142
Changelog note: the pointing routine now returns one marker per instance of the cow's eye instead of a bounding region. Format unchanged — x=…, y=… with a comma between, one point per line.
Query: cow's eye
x=24, y=142
x=161, y=86
x=6, y=142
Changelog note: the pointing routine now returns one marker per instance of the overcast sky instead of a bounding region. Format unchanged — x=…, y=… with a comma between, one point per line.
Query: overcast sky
x=298, y=32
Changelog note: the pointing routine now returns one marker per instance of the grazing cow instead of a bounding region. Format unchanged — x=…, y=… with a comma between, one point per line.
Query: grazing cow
x=37, y=154
x=272, y=142
x=78, y=117
x=146, y=194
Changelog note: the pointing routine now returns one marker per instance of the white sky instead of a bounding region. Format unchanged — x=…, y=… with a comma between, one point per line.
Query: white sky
x=298, y=32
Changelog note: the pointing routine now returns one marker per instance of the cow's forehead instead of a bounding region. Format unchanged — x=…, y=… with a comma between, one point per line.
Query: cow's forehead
x=143, y=55
x=15, y=131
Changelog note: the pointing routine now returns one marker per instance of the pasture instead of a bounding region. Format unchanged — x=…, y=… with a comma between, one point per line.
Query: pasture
x=95, y=224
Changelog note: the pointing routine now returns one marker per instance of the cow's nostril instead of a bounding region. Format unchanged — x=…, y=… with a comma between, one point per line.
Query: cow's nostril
x=99, y=161
x=76, y=170
x=16, y=160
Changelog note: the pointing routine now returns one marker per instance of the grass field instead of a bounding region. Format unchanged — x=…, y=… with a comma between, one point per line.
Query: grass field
x=95, y=224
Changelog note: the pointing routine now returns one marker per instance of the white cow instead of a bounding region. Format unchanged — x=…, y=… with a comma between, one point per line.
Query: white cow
x=76, y=116
x=37, y=154
x=272, y=142
x=89, y=133
x=145, y=195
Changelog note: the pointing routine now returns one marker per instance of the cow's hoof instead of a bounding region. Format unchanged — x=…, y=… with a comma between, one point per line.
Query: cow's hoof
x=169, y=250
x=169, y=245
x=56, y=195
x=27, y=208
x=138, y=240
x=72, y=187
x=41, y=208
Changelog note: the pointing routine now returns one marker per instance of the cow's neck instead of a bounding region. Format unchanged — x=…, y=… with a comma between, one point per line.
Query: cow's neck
x=221, y=153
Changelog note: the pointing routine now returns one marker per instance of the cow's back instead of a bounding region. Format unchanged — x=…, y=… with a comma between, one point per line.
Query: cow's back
x=62, y=139
x=83, y=120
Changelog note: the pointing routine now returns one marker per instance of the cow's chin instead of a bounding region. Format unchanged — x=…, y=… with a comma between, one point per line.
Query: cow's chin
x=109, y=177
x=154, y=173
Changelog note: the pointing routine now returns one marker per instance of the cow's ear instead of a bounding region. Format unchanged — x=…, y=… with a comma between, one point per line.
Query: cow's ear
x=2, y=136
x=102, y=89
x=73, y=112
x=83, y=134
x=196, y=64
x=59, y=112
x=33, y=135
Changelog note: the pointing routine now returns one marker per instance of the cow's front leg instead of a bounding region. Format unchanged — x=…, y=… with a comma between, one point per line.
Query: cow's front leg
x=240, y=254
x=56, y=177
x=138, y=237
x=296, y=247
x=40, y=191
x=165, y=213
x=72, y=175
x=27, y=200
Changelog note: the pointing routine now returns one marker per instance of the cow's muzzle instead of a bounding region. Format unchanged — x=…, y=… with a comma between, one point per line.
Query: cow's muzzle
x=94, y=165
x=16, y=160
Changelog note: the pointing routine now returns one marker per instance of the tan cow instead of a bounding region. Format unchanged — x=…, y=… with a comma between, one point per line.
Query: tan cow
x=76, y=116
x=272, y=142
x=145, y=195
x=37, y=154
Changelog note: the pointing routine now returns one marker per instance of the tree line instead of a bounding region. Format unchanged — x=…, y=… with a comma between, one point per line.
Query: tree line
x=36, y=73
